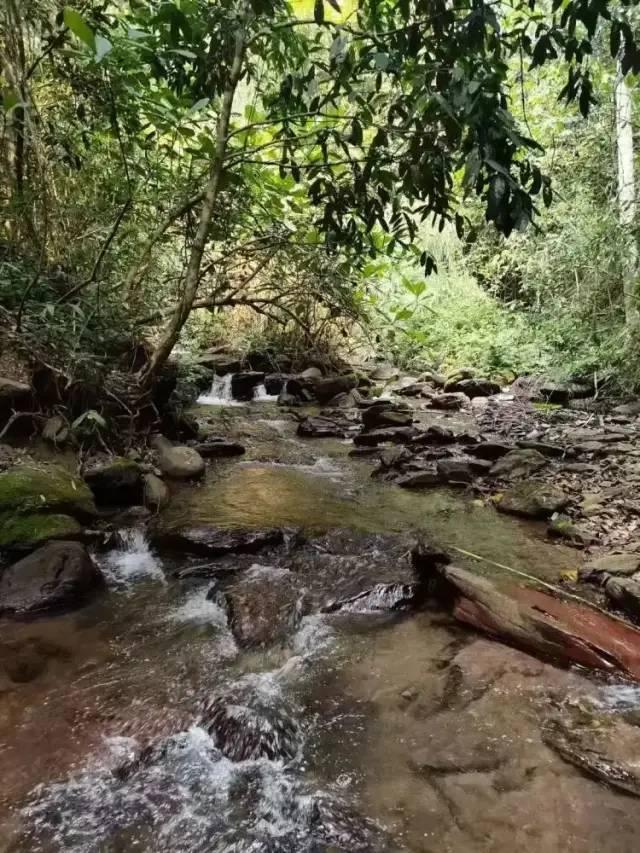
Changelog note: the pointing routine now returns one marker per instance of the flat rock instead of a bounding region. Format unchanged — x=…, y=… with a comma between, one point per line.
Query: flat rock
x=393, y=435
x=420, y=479
x=178, y=462
x=416, y=389
x=319, y=426
x=218, y=447
x=449, y=401
x=554, y=451
x=212, y=541
x=455, y=471
x=532, y=500
x=59, y=574
x=379, y=417
x=617, y=565
x=517, y=464
x=384, y=373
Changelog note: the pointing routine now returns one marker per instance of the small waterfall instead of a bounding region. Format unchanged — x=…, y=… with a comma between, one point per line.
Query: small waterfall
x=260, y=395
x=132, y=560
x=219, y=393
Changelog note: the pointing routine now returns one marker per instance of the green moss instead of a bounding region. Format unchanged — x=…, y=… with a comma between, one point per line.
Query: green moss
x=27, y=489
x=35, y=528
x=546, y=407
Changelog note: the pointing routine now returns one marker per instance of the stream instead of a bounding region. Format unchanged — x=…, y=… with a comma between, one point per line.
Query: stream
x=359, y=730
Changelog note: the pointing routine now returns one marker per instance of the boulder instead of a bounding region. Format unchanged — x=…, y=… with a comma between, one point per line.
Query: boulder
x=244, y=384
x=517, y=464
x=450, y=401
x=532, y=500
x=263, y=608
x=27, y=531
x=212, y=541
x=376, y=417
x=116, y=483
x=473, y=387
x=562, y=392
x=60, y=574
x=624, y=593
x=180, y=462
x=312, y=373
x=56, y=430
x=344, y=400
x=630, y=410
x=433, y=378
x=274, y=383
x=247, y=728
x=156, y=492
x=491, y=450
x=384, y=373
x=455, y=471
x=49, y=489
x=325, y=389
x=217, y=447
x=220, y=363
x=461, y=374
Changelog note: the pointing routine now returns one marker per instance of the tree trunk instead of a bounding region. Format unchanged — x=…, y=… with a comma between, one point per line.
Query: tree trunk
x=627, y=196
x=182, y=310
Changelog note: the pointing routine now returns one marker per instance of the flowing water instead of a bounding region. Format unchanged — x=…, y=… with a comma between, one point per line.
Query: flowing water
x=141, y=723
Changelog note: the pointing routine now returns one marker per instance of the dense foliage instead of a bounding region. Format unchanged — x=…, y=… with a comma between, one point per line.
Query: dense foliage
x=168, y=156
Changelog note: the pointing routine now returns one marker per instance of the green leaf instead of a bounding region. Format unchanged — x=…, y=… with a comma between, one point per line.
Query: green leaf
x=103, y=47
x=79, y=27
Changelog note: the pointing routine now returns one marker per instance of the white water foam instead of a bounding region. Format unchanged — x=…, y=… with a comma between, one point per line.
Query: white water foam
x=132, y=561
x=260, y=395
x=198, y=610
x=219, y=393
x=619, y=697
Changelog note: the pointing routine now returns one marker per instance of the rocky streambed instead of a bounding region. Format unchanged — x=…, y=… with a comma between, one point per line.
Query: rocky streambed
x=268, y=663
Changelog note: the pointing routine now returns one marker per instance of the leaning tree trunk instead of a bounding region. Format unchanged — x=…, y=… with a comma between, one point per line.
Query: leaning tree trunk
x=627, y=197
x=182, y=310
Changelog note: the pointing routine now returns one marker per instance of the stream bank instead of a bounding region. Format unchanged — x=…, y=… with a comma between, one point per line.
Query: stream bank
x=156, y=718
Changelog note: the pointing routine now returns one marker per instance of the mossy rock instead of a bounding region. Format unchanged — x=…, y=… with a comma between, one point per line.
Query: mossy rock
x=116, y=483
x=28, y=531
x=52, y=489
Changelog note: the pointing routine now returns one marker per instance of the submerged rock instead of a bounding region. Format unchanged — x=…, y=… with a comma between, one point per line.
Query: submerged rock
x=212, y=541
x=217, y=447
x=532, y=500
x=180, y=462
x=117, y=482
x=60, y=574
x=264, y=607
x=246, y=729
x=383, y=597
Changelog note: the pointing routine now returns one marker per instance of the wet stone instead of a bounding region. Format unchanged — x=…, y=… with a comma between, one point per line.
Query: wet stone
x=219, y=447
x=394, y=435
x=320, y=426
x=518, y=463
x=532, y=499
x=212, y=541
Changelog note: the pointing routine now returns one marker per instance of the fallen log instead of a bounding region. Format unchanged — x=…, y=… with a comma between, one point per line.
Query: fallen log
x=537, y=622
